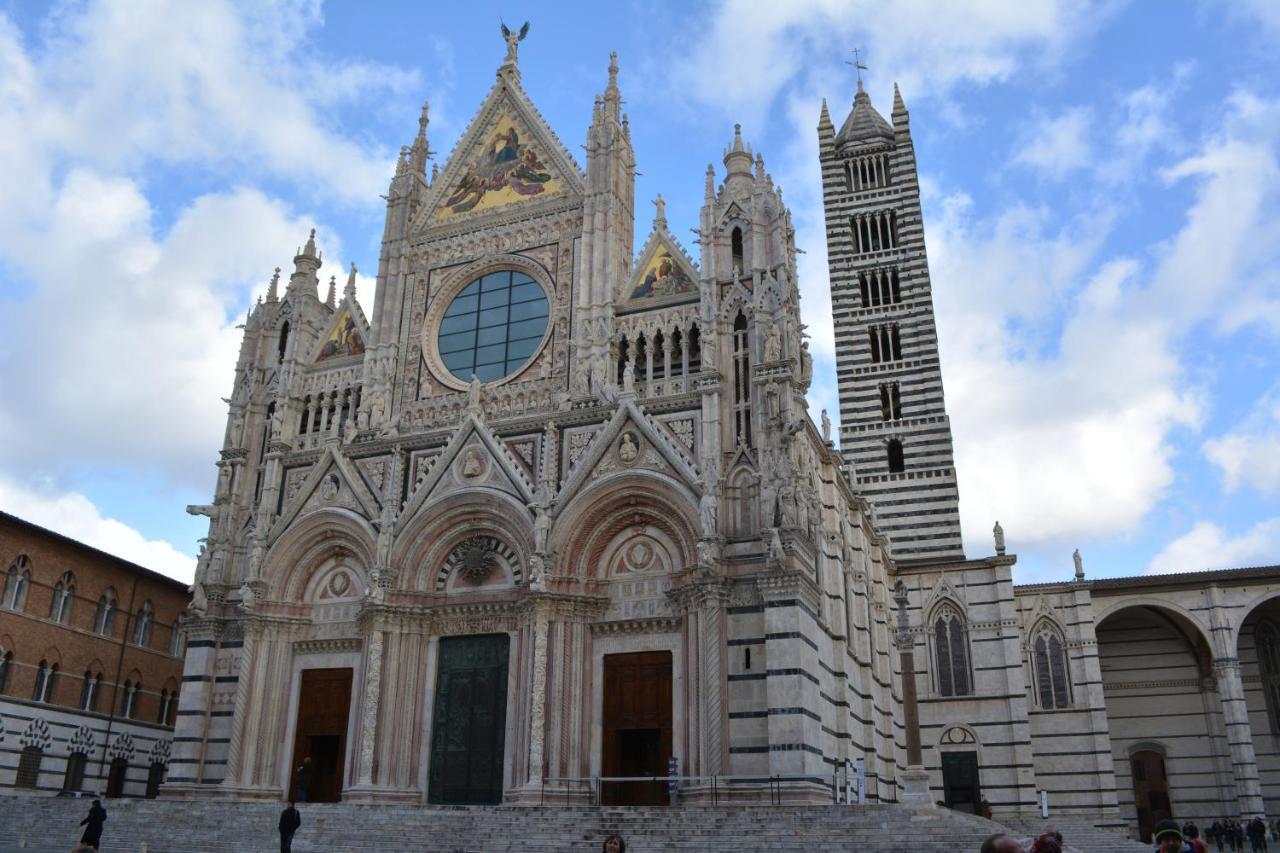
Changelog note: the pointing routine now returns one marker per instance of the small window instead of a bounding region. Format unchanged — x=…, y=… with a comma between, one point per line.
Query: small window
x=104, y=618
x=890, y=402
x=6, y=664
x=746, y=661
x=16, y=583
x=897, y=462
x=89, y=691
x=284, y=342
x=44, y=682
x=129, y=699
x=63, y=592
x=178, y=637
x=736, y=244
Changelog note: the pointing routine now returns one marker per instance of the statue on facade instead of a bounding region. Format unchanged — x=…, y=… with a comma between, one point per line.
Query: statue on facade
x=1079, y=561
x=773, y=343
x=707, y=510
x=513, y=39
x=199, y=601
x=629, y=378
x=998, y=533
x=826, y=427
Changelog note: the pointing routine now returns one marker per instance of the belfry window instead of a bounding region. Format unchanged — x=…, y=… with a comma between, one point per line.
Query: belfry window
x=890, y=402
x=886, y=345
x=735, y=240
x=951, y=653
x=741, y=381
x=1049, y=662
x=879, y=287
x=897, y=462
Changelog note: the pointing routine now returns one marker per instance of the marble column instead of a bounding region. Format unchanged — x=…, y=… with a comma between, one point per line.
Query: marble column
x=538, y=695
x=369, y=705
x=1244, y=763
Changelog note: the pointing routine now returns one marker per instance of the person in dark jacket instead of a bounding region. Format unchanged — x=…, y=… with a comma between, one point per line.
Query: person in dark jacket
x=1257, y=831
x=93, y=825
x=290, y=820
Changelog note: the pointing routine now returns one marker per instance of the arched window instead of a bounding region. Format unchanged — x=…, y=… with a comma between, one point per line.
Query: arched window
x=1267, y=639
x=89, y=691
x=129, y=699
x=45, y=675
x=178, y=637
x=143, y=620
x=16, y=583
x=163, y=716
x=1049, y=665
x=6, y=664
x=74, y=778
x=736, y=245
x=63, y=593
x=105, y=617
x=284, y=342
x=897, y=462
x=741, y=381
x=951, y=652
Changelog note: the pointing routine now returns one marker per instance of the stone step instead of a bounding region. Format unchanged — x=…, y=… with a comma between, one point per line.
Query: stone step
x=215, y=826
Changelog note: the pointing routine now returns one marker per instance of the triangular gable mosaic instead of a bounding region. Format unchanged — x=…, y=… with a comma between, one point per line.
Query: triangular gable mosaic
x=344, y=338
x=664, y=270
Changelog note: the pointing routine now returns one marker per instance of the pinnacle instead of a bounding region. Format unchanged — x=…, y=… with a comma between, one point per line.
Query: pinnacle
x=349, y=291
x=332, y=299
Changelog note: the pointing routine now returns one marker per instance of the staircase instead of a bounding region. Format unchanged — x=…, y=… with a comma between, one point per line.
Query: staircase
x=224, y=826
x=1080, y=833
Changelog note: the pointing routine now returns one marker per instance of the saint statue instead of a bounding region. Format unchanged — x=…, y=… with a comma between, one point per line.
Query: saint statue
x=998, y=532
x=513, y=39
x=1079, y=564
x=826, y=426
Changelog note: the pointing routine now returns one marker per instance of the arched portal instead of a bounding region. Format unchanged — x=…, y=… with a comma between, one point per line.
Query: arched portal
x=1164, y=714
x=1258, y=650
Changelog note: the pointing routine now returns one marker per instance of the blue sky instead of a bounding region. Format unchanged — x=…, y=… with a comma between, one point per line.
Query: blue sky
x=1101, y=196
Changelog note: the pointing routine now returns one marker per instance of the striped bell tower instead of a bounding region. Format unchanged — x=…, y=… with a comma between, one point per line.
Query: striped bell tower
x=894, y=431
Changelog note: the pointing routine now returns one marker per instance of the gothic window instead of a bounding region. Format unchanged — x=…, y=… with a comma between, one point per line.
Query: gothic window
x=165, y=700
x=886, y=345
x=695, y=350
x=284, y=342
x=143, y=620
x=129, y=699
x=679, y=355
x=951, y=653
x=1267, y=640
x=736, y=246
x=177, y=637
x=659, y=356
x=16, y=583
x=641, y=369
x=890, y=402
x=89, y=691
x=6, y=664
x=742, y=487
x=45, y=675
x=897, y=464
x=624, y=348
x=104, y=619
x=879, y=287
x=63, y=593
x=741, y=381
x=1049, y=665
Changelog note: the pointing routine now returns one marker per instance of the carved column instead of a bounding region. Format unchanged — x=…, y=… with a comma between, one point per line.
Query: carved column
x=1244, y=763
x=712, y=710
x=538, y=696
x=370, y=703
x=235, y=750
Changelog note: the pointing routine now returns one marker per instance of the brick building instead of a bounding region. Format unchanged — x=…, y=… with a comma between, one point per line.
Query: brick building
x=90, y=665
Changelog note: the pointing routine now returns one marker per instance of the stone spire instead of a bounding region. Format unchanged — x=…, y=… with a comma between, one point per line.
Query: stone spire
x=331, y=300
x=349, y=292
x=305, y=266
x=864, y=124
x=826, y=130
x=900, y=114
x=419, y=152
x=709, y=190
x=273, y=289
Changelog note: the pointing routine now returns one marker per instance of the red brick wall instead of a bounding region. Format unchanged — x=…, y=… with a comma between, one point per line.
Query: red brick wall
x=31, y=635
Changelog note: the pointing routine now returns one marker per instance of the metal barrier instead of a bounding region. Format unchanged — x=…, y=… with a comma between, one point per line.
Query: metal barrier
x=721, y=781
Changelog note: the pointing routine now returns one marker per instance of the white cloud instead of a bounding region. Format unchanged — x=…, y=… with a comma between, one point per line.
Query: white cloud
x=1250, y=454
x=1059, y=144
x=930, y=48
x=72, y=514
x=1208, y=546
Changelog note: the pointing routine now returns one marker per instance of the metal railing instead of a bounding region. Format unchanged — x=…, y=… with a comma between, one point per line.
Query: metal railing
x=719, y=783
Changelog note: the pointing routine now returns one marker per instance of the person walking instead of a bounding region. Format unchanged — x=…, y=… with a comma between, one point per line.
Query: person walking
x=614, y=844
x=1215, y=832
x=1257, y=831
x=1168, y=838
x=1001, y=843
x=93, y=825
x=1237, y=831
x=290, y=820
x=1192, y=834
x=305, y=772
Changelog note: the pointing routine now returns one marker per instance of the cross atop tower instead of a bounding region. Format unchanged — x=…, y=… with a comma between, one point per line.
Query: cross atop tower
x=857, y=63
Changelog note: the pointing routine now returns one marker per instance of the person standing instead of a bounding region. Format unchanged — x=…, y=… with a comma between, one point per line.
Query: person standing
x=614, y=844
x=305, y=772
x=290, y=820
x=1168, y=838
x=1257, y=831
x=93, y=825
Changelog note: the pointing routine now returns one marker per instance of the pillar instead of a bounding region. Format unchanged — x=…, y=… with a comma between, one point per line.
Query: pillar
x=1235, y=714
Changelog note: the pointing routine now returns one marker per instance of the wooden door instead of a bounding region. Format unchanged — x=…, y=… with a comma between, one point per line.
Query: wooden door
x=637, y=726
x=324, y=708
x=1150, y=790
x=469, y=720
x=960, y=788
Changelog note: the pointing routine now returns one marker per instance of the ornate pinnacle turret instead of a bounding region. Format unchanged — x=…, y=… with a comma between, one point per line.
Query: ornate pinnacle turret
x=759, y=167
x=309, y=250
x=332, y=299
x=612, y=96
x=305, y=265
x=273, y=289
x=420, y=152
x=737, y=162
x=349, y=292
x=709, y=194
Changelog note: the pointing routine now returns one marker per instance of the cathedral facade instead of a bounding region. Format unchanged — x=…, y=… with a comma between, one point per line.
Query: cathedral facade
x=553, y=510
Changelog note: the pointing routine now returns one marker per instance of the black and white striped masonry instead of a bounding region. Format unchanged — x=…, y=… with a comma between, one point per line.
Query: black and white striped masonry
x=894, y=431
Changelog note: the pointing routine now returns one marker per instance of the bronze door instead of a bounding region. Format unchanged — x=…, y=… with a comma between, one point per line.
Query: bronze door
x=324, y=705
x=1150, y=791
x=960, y=789
x=637, y=726
x=469, y=720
